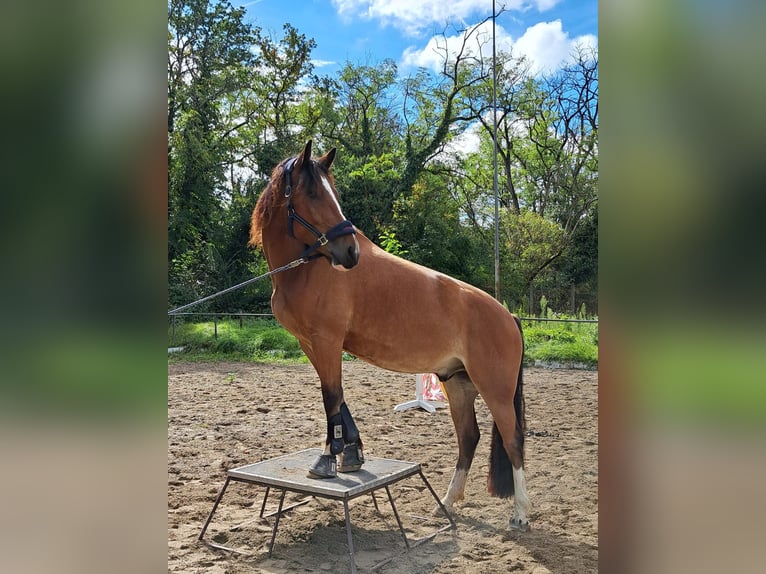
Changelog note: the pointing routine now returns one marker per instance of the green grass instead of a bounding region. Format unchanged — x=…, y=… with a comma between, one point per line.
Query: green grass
x=567, y=343
x=264, y=340
x=261, y=340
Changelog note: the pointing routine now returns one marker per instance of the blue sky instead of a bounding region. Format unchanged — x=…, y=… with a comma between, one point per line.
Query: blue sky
x=368, y=31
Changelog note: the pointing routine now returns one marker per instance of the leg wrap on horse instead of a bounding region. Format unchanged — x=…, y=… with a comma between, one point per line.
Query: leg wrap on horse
x=350, y=432
x=341, y=430
x=352, y=458
x=335, y=433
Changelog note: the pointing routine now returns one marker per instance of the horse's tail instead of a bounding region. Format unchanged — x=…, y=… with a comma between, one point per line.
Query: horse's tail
x=500, y=481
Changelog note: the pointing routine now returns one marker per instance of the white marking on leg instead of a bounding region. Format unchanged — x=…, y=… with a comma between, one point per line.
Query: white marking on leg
x=456, y=490
x=521, y=503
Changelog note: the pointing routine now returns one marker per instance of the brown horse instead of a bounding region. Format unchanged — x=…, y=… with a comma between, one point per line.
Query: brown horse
x=358, y=298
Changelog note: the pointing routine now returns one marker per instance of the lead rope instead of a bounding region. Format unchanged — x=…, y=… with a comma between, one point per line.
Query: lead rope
x=291, y=265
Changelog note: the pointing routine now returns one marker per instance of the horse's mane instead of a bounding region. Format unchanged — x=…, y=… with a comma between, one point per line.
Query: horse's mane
x=263, y=207
x=271, y=197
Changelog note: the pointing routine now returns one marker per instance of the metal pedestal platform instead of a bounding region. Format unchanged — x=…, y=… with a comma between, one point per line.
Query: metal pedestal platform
x=288, y=473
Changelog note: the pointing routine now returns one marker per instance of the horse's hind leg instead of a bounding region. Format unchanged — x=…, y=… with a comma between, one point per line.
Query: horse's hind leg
x=507, y=459
x=461, y=394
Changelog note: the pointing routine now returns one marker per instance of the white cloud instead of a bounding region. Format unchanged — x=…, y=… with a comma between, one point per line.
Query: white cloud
x=466, y=142
x=432, y=55
x=546, y=46
x=321, y=63
x=543, y=5
x=413, y=16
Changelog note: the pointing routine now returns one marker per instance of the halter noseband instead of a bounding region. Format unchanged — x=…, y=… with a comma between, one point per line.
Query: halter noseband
x=345, y=227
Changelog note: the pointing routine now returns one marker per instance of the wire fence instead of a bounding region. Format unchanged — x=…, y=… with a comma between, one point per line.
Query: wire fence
x=241, y=316
x=554, y=320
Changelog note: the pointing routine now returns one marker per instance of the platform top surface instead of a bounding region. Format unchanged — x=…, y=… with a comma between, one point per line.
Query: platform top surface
x=290, y=472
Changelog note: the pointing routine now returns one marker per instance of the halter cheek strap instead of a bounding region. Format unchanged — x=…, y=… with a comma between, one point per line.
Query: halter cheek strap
x=345, y=227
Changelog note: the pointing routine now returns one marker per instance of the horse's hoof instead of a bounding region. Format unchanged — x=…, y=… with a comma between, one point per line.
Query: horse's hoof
x=324, y=466
x=351, y=459
x=517, y=524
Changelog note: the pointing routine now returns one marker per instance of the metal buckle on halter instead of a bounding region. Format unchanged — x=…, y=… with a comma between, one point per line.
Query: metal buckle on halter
x=322, y=239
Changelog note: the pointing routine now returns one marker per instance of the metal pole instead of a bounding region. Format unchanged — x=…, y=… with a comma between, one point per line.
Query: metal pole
x=217, y=501
x=494, y=158
x=276, y=522
x=398, y=520
x=349, y=536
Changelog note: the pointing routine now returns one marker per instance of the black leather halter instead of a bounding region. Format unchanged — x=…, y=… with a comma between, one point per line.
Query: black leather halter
x=345, y=227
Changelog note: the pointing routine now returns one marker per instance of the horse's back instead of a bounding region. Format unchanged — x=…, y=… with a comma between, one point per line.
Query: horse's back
x=409, y=318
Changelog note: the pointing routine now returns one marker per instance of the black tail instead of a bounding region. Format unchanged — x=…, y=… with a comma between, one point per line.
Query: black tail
x=500, y=481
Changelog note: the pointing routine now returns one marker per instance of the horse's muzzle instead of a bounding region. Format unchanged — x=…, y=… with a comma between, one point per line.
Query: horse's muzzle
x=344, y=251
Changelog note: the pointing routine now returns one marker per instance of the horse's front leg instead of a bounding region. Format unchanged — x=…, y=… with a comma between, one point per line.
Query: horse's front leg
x=342, y=433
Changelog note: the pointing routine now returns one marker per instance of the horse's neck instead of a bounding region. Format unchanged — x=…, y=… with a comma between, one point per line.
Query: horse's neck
x=278, y=247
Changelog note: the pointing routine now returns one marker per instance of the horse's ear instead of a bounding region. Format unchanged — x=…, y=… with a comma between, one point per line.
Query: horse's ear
x=305, y=156
x=326, y=160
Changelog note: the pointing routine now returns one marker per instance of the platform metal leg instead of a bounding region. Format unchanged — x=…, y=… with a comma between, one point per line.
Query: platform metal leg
x=349, y=536
x=375, y=502
x=276, y=522
x=398, y=520
x=265, y=498
x=306, y=500
x=438, y=500
x=210, y=516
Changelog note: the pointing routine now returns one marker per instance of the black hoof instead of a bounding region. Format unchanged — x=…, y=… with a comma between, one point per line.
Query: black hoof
x=324, y=466
x=352, y=458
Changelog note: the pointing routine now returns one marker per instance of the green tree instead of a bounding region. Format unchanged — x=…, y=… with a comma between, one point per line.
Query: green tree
x=575, y=273
x=531, y=243
x=547, y=140
x=283, y=64
x=557, y=155
x=364, y=118
x=428, y=224
x=208, y=58
x=368, y=191
x=234, y=95
x=435, y=106
x=360, y=116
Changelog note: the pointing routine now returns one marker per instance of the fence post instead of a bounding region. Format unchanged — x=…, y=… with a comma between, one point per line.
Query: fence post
x=173, y=336
x=215, y=327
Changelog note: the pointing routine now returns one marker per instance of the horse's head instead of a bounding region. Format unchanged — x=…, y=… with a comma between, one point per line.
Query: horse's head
x=313, y=211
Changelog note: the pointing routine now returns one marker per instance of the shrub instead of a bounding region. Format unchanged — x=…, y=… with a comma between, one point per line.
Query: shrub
x=541, y=335
x=277, y=339
x=574, y=352
x=561, y=342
